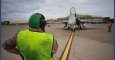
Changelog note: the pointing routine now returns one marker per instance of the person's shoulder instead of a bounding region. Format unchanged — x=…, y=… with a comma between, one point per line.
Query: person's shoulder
x=23, y=31
x=48, y=34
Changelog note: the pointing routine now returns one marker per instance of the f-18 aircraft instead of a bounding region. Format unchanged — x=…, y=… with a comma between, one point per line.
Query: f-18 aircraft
x=73, y=22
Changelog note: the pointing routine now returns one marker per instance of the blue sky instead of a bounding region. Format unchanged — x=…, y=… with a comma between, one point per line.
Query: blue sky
x=23, y=9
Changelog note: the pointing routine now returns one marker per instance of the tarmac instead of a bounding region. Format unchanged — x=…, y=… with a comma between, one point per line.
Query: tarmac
x=90, y=43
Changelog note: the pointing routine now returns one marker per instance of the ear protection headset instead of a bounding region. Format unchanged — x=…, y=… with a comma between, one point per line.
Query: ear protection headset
x=42, y=21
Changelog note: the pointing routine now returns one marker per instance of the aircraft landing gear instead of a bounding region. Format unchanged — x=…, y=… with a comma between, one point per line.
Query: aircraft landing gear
x=68, y=27
x=73, y=29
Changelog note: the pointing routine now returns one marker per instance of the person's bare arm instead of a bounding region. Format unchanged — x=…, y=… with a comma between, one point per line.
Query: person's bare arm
x=10, y=45
x=55, y=47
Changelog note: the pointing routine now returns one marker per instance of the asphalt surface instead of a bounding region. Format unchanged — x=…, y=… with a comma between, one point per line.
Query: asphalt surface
x=91, y=43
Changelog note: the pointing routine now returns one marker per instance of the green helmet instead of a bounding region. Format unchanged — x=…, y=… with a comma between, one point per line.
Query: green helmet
x=37, y=20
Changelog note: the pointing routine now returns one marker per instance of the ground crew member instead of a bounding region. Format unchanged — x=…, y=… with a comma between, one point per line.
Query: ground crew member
x=78, y=22
x=35, y=43
x=109, y=26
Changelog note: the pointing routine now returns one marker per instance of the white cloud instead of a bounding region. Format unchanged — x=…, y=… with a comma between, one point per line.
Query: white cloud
x=23, y=9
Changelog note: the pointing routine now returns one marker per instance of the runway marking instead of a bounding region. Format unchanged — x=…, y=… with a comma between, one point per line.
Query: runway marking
x=67, y=48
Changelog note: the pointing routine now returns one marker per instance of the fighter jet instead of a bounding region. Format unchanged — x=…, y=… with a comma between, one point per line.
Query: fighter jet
x=73, y=22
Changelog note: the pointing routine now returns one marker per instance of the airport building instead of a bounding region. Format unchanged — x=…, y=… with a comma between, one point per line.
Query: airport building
x=85, y=18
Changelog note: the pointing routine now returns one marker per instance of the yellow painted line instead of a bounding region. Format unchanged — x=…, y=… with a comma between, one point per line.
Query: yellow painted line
x=65, y=54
